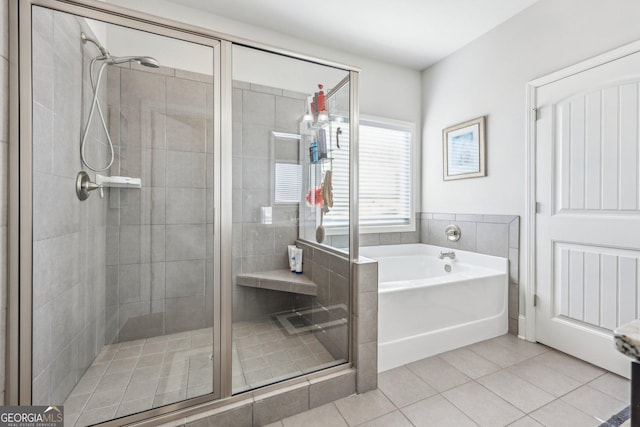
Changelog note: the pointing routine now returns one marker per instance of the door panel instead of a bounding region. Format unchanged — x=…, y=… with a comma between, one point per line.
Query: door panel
x=588, y=225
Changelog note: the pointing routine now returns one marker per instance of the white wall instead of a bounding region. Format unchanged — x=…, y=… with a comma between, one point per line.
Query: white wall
x=488, y=77
x=171, y=53
x=256, y=66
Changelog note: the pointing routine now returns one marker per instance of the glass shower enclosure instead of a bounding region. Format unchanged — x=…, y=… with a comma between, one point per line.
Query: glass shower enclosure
x=286, y=323
x=123, y=194
x=182, y=219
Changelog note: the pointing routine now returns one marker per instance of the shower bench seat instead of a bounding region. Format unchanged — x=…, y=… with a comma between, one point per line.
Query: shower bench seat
x=279, y=280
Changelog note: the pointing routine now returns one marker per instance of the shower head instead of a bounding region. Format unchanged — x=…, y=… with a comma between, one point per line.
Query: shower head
x=147, y=61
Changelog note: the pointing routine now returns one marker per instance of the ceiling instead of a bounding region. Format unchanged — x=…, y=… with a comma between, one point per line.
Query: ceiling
x=412, y=33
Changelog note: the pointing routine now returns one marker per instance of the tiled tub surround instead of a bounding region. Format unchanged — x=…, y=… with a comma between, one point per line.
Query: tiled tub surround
x=497, y=235
x=68, y=235
x=376, y=239
x=364, y=321
x=159, y=238
x=393, y=238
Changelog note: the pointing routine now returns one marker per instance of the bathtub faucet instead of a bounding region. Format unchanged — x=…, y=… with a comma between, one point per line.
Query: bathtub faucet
x=451, y=255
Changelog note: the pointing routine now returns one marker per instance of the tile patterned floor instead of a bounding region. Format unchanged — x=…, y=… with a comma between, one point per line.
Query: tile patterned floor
x=133, y=376
x=500, y=382
x=263, y=353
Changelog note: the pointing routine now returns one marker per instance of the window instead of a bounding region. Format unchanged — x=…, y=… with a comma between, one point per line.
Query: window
x=288, y=183
x=385, y=184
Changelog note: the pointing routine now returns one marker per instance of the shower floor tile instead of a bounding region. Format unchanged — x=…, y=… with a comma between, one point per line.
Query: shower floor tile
x=264, y=353
x=134, y=376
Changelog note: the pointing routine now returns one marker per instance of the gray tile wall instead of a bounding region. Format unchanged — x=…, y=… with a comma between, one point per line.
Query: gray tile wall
x=330, y=272
x=497, y=235
x=365, y=321
x=264, y=408
x=257, y=111
x=159, y=249
x=394, y=238
x=68, y=235
x=4, y=150
x=378, y=239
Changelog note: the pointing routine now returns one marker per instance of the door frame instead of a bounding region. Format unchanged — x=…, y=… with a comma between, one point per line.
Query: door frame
x=527, y=323
x=20, y=263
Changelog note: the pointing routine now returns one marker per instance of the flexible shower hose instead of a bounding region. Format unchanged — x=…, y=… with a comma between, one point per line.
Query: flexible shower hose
x=96, y=86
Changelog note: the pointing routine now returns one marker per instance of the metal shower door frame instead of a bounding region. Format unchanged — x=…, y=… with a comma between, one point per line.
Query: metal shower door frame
x=19, y=296
x=20, y=292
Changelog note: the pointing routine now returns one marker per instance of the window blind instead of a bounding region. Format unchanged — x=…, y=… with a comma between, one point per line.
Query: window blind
x=385, y=175
x=288, y=182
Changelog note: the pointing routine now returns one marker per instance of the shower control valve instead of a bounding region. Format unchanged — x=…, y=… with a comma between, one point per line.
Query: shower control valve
x=453, y=233
x=84, y=186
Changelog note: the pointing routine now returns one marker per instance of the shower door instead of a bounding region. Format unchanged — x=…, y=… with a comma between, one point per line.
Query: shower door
x=285, y=324
x=125, y=313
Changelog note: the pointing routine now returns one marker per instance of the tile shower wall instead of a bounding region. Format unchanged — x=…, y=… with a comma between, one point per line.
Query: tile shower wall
x=497, y=235
x=4, y=152
x=330, y=272
x=159, y=256
x=68, y=235
x=259, y=245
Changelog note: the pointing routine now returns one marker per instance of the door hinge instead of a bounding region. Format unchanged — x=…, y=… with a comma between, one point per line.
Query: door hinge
x=537, y=207
x=536, y=114
x=535, y=300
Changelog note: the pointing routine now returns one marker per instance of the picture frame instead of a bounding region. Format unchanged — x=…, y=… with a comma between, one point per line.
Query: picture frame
x=464, y=150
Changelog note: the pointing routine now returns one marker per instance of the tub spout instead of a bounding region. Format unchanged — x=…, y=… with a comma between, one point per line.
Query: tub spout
x=451, y=255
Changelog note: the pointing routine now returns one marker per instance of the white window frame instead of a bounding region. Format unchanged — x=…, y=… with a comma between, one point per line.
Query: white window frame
x=413, y=176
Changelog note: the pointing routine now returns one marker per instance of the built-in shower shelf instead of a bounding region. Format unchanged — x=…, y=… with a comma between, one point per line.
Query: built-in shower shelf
x=279, y=280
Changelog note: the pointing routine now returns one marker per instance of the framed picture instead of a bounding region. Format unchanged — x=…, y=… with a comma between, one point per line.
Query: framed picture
x=463, y=148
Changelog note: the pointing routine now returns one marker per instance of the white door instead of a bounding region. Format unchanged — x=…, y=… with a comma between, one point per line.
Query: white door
x=588, y=225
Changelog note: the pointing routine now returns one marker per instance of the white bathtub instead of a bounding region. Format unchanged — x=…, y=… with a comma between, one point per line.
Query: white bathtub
x=424, y=310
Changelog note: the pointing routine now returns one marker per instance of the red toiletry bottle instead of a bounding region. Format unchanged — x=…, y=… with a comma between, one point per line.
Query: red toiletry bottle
x=321, y=100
